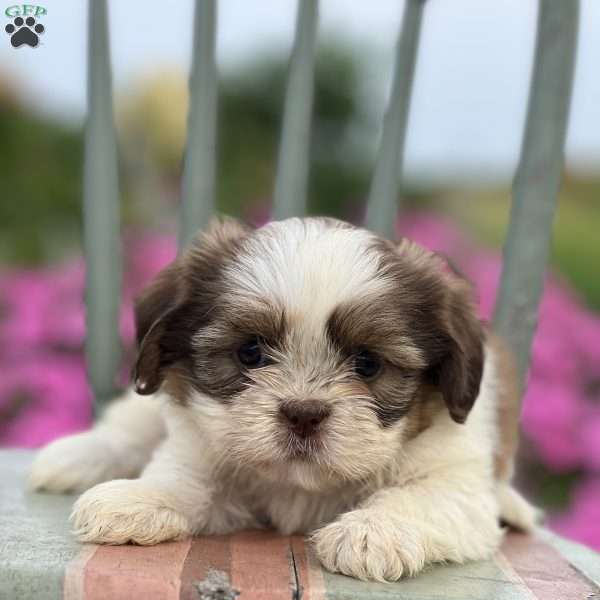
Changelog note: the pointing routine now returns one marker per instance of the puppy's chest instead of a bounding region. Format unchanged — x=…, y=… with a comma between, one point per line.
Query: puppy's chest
x=296, y=511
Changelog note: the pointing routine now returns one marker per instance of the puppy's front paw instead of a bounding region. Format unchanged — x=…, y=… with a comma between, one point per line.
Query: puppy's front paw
x=75, y=463
x=363, y=545
x=122, y=511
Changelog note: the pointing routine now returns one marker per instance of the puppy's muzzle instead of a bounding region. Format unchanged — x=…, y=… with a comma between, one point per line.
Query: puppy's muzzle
x=304, y=417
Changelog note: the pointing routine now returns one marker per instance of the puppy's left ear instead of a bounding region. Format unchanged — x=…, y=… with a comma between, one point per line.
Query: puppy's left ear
x=458, y=374
x=456, y=343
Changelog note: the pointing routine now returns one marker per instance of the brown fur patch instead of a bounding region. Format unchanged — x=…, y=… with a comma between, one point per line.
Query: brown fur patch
x=378, y=325
x=459, y=374
x=434, y=310
x=179, y=301
x=424, y=328
x=215, y=367
x=428, y=404
x=164, y=292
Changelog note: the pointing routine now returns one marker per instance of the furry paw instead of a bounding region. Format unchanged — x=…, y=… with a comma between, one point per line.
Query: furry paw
x=122, y=511
x=363, y=545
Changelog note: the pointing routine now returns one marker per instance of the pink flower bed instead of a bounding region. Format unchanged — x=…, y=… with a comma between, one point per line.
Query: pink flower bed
x=44, y=393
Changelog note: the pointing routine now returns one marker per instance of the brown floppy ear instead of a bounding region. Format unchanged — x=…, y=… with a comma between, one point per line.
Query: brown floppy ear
x=178, y=300
x=456, y=337
x=152, y=308
x=460, y=369
x=164, y=292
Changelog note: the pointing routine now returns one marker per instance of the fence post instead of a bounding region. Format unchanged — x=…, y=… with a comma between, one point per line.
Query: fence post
x=101, y=214
x=294, y=150
x=382, y=205
x=198, y=194
x=537, y=181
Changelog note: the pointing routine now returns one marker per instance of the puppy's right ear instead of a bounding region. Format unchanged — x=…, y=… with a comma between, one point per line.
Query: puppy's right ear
x=164, y=292
x=152, y=308
x=178, y=299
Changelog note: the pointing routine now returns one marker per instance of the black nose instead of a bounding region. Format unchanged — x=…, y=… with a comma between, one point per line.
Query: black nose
x=303, y=417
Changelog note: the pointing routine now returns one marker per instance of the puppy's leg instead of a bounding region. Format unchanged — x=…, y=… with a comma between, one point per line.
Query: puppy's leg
x=119, y=446
x=175, y=497
x=452, y=516
x=167, y=502
x=515, y=511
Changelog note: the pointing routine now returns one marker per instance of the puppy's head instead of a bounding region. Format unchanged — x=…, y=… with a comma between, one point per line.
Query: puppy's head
x=309, y=349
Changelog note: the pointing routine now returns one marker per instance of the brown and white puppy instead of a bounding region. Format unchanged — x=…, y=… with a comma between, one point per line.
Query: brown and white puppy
x=311, y=376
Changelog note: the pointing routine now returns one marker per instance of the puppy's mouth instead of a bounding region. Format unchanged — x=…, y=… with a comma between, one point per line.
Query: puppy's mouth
x=305, y=449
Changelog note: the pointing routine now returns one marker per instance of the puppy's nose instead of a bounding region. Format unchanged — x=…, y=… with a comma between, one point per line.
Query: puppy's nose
x=303, y=417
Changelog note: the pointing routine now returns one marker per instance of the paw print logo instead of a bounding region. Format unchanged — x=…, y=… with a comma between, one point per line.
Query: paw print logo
x=24, y=32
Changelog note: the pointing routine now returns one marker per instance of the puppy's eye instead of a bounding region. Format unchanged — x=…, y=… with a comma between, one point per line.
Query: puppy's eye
x=250, y=354
x=366, y=364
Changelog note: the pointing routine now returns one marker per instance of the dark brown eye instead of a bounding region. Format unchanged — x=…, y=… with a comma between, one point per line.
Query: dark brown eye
x=250, y=354
x=366, y=364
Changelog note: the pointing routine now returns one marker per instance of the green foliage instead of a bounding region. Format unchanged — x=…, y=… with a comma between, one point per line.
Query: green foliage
x=40, y=171
x=251, y=102
x=575, y=242
x=41, y=160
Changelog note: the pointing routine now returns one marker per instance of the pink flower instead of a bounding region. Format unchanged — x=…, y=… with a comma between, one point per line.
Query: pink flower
x=434, y=232
x=582, y=521
x=589, y=439
x=551, y=419
x=146, y=254
x=43, y=307
x=43, y=389
x=41, y=398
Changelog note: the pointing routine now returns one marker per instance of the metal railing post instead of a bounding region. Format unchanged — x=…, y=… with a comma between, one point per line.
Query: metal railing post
x=537, y=181
x=382, y=204
x=294, y=149
x=198, y=194
x=101, y=214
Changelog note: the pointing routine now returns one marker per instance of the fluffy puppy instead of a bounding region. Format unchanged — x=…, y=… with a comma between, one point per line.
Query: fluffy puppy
x=311, y=377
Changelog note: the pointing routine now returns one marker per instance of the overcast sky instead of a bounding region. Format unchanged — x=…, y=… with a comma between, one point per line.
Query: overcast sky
x=470, y=89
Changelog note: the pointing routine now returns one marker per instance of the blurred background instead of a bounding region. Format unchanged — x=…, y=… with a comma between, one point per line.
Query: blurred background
x=463, y=143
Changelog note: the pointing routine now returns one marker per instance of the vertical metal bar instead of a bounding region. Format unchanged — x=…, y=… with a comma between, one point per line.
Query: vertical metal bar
x=198, y=201
x=382, y=205
x=292, y=173
x=537, y=181
x=101, y=214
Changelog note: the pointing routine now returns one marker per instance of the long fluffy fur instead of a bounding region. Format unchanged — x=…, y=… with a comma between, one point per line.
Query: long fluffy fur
x=383, y=494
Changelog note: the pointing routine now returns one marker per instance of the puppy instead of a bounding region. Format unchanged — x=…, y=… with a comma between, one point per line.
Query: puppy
x=311, y=377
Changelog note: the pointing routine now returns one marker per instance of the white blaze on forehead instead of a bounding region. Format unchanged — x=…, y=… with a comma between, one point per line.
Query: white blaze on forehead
x=309, y=266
